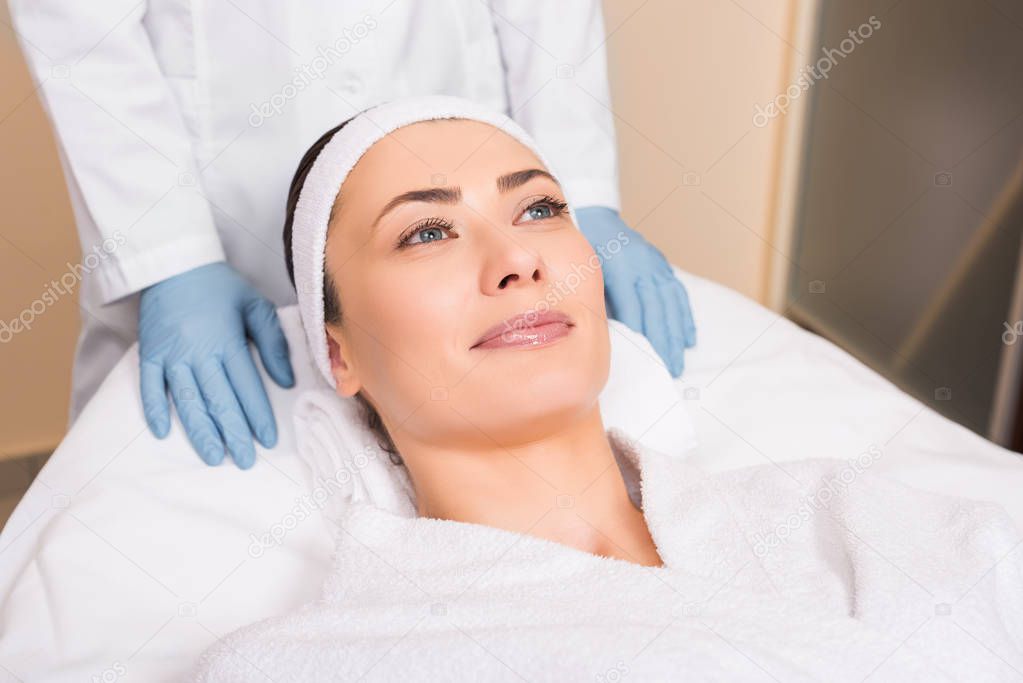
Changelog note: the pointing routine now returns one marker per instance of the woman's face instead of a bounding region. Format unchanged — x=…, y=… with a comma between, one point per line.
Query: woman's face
x=443, y=232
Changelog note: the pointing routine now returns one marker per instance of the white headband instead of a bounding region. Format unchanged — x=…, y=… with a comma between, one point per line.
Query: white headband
x=333, y=164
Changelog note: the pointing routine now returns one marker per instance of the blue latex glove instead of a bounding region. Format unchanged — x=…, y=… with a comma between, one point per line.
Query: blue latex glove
x=193, y=331
x=639, y=285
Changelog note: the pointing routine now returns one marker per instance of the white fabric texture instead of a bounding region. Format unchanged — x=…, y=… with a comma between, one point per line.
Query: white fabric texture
x=875, y=569
x=333, y=164
x=129, y=551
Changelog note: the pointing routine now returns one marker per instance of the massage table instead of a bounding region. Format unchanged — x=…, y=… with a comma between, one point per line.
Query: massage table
x=127, y=557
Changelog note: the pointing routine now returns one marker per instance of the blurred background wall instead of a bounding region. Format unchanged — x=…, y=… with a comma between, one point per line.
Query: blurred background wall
x=697, y=176
x=37, y=239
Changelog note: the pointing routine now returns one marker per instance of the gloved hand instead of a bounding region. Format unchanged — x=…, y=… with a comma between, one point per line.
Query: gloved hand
x=192, y=333
x=639, y=285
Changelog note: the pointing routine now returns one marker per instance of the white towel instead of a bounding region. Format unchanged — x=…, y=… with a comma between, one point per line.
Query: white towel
x=816, y=571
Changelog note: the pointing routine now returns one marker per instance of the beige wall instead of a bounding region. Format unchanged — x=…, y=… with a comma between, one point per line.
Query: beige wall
x=685, y=76
x=37, y=239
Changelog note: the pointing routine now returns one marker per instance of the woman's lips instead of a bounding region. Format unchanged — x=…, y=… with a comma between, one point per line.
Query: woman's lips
x=526, y=329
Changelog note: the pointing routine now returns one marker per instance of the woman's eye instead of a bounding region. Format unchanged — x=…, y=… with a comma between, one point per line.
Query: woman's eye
x=546, y=208
x=424, y=234
x=538, y=211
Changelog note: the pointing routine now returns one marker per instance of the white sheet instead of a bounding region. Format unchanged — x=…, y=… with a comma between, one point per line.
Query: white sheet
x=131, y=560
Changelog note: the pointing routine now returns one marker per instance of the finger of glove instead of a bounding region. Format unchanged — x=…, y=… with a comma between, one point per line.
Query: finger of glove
x=222, y=405
x=674, y=315
x=154, y=398
x=679, y=297
x=191, y=407
x=265, y=329
x=624, y=302
x=655, y=326
x=690, y=322
x=248, y=387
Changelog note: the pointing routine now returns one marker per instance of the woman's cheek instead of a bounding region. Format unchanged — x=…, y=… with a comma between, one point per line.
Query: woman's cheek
x=415, y=302
x=581, y=272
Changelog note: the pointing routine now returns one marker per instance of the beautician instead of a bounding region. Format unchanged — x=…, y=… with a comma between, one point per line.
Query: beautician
x=179, y=125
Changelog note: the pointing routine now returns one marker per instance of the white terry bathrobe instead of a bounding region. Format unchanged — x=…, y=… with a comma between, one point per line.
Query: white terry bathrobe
x=818, y=571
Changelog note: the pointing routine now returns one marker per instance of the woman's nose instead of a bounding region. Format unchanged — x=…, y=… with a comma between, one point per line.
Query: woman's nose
x=512, y=266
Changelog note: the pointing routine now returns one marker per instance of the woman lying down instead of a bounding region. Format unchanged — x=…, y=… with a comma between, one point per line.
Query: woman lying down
x=509, y=536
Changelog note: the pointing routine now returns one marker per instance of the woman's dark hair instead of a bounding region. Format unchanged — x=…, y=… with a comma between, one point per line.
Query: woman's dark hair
x=331, y=303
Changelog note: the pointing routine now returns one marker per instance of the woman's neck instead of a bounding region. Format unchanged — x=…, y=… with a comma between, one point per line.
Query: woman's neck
x=565, y=488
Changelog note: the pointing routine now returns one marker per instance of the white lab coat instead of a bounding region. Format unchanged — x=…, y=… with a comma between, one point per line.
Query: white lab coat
x=180, y=122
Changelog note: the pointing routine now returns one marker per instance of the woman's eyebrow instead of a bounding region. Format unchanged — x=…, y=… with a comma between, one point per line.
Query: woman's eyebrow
x=453, y=195
x=442, y=195
x=510, y=181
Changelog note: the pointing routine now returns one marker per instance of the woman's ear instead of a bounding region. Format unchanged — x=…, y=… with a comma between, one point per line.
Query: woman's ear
x=344, y=373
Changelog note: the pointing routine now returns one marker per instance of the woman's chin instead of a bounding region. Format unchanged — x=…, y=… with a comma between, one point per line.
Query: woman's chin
x=540, y=373
x=537, y=393
x=530, y=420
x=561, y=372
